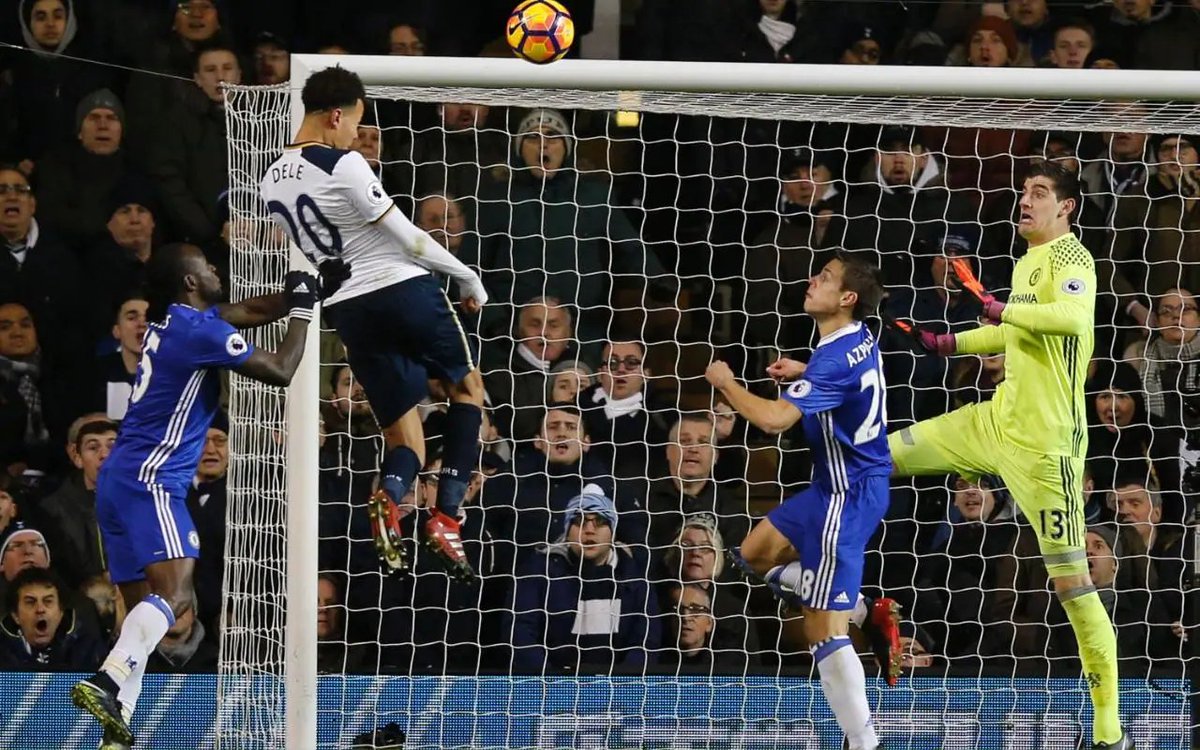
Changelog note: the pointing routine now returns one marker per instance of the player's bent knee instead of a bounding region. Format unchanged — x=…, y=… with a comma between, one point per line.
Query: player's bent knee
x=468, y=390
x=821, y=625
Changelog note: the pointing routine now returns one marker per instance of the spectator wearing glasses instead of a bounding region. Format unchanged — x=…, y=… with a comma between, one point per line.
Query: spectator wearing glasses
x=39, y=271
x=619, y=412
x=697, y=558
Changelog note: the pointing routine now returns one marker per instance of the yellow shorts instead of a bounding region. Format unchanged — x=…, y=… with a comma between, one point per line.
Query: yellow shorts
x=1048, y=489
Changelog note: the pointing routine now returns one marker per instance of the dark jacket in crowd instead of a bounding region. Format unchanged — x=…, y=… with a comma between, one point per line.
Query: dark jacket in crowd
x=556, y=591
x=76, y=647
x=73, y=192
x=625, y=444
x=526, y=503
x=206, y=504
x=189, y=161
x=68, y=518
x=669, y=505
x=517, y=389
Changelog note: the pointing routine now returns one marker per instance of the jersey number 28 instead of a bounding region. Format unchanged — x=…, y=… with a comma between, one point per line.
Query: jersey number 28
x=325, y=239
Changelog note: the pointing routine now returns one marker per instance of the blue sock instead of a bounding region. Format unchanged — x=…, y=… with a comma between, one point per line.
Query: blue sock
x=460, y=455
x=400, y=468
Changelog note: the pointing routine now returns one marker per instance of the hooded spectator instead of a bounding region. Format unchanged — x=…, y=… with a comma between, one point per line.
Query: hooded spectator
x=47, y=85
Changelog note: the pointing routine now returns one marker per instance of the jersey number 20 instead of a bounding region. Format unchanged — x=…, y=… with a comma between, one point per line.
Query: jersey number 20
x=307, y=213
x=877, y=413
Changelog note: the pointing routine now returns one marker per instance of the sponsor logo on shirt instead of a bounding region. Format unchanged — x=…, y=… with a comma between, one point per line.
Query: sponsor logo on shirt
x=1023, y=299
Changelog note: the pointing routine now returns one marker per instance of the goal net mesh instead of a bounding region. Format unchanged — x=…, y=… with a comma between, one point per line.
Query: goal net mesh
x=660, y=243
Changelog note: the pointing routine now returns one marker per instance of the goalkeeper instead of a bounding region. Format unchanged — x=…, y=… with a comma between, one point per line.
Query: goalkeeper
x=1033, y=433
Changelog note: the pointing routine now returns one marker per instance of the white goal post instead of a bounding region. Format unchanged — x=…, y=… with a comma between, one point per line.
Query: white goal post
x=268, y=686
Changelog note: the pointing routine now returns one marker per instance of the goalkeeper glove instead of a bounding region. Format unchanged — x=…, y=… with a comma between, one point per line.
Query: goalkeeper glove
x=302, y=292
x=334, y=272
x=941, y=344
x=935, y=343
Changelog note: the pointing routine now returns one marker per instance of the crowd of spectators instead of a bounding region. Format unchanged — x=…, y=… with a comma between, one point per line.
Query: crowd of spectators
x=619, y=262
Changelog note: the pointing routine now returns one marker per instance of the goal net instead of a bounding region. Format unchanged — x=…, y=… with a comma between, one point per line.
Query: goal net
x=631, y=227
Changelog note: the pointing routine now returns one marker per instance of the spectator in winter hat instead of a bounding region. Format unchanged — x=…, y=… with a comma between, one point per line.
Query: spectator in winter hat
x=75, y=178
x=117, y=261
x=543, y=142
x=991, y=43
x=861, y=45
x=584, y=600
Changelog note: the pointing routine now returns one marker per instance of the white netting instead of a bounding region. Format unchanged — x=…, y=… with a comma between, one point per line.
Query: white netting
x=250, y=688
x=679, y=233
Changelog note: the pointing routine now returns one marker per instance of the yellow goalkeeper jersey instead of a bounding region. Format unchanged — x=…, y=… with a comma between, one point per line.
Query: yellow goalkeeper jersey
x=1047, y=336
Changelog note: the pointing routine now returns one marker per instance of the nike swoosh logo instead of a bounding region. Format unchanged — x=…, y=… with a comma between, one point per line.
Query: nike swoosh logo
x=513, y=29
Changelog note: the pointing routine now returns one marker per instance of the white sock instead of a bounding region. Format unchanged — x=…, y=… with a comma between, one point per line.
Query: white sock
x=130, y=691
x=845, y=686
x=859, y=615
x=144, y=627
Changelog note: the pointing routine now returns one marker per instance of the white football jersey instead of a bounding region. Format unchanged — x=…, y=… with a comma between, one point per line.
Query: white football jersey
x=328, y=201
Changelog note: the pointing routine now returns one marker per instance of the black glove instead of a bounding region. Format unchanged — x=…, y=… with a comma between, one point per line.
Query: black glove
x=302, y=291
x=334, y=272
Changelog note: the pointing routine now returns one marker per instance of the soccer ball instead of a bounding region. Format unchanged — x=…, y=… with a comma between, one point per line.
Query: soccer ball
x=540, y=31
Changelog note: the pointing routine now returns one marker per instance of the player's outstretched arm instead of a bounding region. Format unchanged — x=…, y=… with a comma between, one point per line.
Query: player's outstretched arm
x=772, y=417
x=988, y=339
x=277, y=368
x=425, y=251
x=254, y=311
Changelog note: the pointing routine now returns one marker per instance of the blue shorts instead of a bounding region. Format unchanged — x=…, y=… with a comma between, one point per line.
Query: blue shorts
x=142, y=524
x=399, y=337
x=831, y=533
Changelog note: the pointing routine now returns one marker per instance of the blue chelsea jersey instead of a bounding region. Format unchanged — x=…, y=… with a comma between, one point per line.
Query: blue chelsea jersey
x=841, y=398
x=175, y=396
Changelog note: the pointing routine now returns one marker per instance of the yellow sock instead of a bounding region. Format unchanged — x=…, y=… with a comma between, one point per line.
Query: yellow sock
x=1098, y=652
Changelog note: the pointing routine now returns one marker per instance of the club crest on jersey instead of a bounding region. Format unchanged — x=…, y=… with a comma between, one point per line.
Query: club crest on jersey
x=235, y=344
x=800, y=389
x=376, y=194
x=1074, y=286
x=194, y=539
x=1035, y=277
